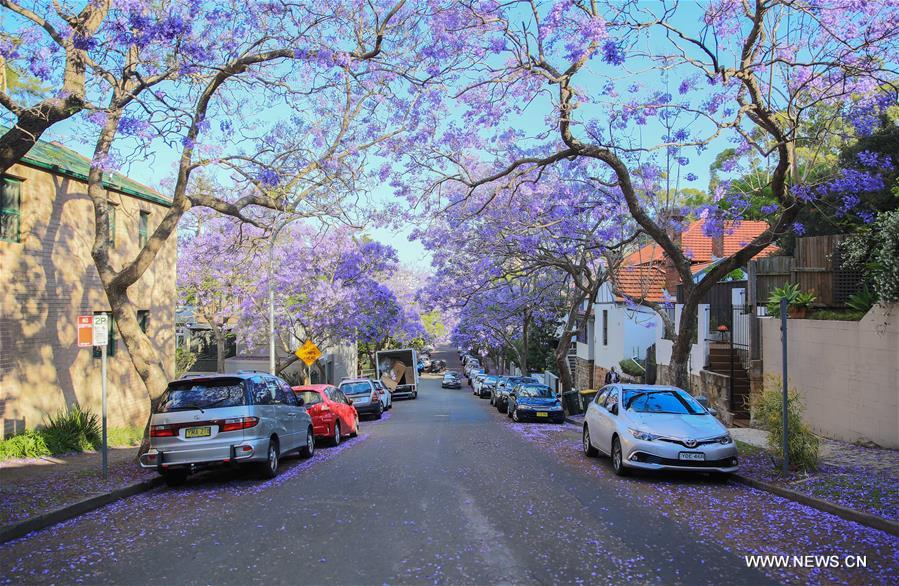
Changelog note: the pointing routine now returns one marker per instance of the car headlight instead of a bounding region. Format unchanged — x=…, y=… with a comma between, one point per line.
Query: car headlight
x=725, y=439
x=643, y=435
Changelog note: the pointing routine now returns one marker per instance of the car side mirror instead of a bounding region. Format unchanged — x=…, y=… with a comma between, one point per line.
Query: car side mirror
x=301, y=401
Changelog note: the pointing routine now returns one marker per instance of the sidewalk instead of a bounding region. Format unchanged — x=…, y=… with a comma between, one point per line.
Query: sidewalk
x=852, y=476
x=34, y=487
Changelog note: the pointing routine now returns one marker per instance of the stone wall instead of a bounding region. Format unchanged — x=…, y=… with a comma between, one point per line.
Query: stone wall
x=582, y=371
x=847, y=373
x=48, y=279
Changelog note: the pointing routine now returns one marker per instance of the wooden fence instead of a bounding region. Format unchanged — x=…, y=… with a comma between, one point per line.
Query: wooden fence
x=815, y=266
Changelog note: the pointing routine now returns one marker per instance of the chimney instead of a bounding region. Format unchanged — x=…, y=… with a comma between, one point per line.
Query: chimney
x=718, y=246
x=674, y=226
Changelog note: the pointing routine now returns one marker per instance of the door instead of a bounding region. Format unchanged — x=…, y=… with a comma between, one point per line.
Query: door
x=344, y=410
x=607, y=419
x=283, y=419
x=300, y=418
x=592, y=417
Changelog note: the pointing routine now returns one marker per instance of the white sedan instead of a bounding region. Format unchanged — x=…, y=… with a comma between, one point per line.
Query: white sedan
x=656, y=427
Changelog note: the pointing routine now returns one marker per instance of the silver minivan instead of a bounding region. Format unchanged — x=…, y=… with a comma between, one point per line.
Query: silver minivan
x=247, y=417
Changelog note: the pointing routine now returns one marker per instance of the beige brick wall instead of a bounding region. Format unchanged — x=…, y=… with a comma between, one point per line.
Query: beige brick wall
x=847, y=373
x=48, y=279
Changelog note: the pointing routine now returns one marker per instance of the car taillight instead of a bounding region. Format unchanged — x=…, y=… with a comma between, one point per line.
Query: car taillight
x=374, y=397
x=238, y=423
x=163, y=431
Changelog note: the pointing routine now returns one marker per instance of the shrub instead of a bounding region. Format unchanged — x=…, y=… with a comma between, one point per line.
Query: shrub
x=631, y=367
x=74, y=430
x=184, y=359
x=29, y=444
x=767, y=410
x=875, y=250
x=125, y=436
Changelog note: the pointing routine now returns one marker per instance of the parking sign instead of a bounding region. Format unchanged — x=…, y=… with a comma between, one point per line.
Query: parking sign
x=85, y=331
x=101, y=330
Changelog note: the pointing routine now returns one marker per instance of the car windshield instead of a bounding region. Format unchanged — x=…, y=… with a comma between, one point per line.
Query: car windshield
x=675, y=402
x=541, y=391
x=359, y=388
x=451, y=375
x=188, y=395
x=309, y=397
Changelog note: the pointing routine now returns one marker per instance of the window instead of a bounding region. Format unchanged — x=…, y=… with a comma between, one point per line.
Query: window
x=612, y=399
x=287, y=394
x=262, y=395
x=112, y=214
x=605, y=327
x=111, y=341
x=143, y=319
x=143, y=228
x=10, y=209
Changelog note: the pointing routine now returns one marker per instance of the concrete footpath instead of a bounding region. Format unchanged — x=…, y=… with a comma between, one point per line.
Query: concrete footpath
x=36, y=493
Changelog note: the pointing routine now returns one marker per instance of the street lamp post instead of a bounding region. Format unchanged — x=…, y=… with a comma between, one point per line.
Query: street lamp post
x=272, y=366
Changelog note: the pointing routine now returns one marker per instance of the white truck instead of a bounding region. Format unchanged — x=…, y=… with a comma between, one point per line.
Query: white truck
x=398, y=370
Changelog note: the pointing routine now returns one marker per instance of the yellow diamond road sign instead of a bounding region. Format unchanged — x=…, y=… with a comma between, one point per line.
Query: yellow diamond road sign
x=308, y=353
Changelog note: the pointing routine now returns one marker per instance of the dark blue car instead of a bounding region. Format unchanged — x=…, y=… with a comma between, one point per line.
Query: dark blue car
x=534, y=402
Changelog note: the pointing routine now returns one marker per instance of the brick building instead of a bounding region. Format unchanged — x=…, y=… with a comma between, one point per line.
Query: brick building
x=47, y=279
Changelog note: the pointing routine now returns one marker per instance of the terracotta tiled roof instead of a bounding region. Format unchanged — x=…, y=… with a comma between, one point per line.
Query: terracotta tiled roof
x=642, y=273
x=698, y=246
x=645, y=281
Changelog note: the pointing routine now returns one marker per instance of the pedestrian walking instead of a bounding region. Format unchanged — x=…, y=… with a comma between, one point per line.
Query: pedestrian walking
x=612, y=376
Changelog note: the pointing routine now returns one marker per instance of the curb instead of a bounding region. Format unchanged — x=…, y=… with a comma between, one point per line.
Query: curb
x=67, y=512
x=872, y=521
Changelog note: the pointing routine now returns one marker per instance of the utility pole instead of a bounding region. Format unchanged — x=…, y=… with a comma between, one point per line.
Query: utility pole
x=272, y=363
x=786, y=398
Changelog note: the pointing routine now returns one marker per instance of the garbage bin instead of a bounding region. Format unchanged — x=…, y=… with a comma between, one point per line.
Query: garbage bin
x=571, y=402
x=585, y=397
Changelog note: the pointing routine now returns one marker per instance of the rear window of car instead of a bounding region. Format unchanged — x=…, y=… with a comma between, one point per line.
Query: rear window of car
x=214, y=394
x=355, y=388
x=309, y=397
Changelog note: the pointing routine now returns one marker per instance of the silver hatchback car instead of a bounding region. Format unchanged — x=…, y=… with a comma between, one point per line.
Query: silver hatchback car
x=656, y=427
x=226, y=419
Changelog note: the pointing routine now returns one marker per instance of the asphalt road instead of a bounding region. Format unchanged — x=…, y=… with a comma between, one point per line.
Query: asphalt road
x=444, y=490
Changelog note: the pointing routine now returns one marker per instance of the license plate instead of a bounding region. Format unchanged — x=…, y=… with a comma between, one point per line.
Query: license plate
x=542, y=414
x=198, y=432
x=692, y=456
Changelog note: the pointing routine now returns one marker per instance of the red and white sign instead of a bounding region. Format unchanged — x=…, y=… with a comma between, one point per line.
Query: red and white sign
x=85, y=331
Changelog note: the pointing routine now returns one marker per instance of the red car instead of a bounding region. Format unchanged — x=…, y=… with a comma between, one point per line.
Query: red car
x=333, y=415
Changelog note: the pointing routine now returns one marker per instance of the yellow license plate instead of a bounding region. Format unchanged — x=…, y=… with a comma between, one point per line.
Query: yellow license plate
x=542, y=414
x=198, y=432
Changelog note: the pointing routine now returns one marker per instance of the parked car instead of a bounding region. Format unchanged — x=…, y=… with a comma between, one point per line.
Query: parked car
x=333, y=414
x=364, y=395
x=476, y=382
x=384, y=395
x=451, y=380
x=226, y=419
x=534, y=401
x=656, y=427
x=437, y=366
x=487, y=385
x=504, y=387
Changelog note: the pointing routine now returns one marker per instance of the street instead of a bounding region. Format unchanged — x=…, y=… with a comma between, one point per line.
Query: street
x=442, y=490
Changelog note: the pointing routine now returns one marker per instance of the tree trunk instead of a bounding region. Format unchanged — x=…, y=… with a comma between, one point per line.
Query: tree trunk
x=219, y=348
x=524, y=345
x=679, y=374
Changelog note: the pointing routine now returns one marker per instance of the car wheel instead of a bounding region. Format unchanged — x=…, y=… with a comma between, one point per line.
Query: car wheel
x=269, y=468
x=414, y=395
x=175, y=477
x=335, y=441
x=308, y=450
x=618, y=458
x=355, y=432
x=589, y=450
x=380, y=412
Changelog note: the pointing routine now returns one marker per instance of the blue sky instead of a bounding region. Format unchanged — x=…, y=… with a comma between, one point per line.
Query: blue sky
x=160, y=164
